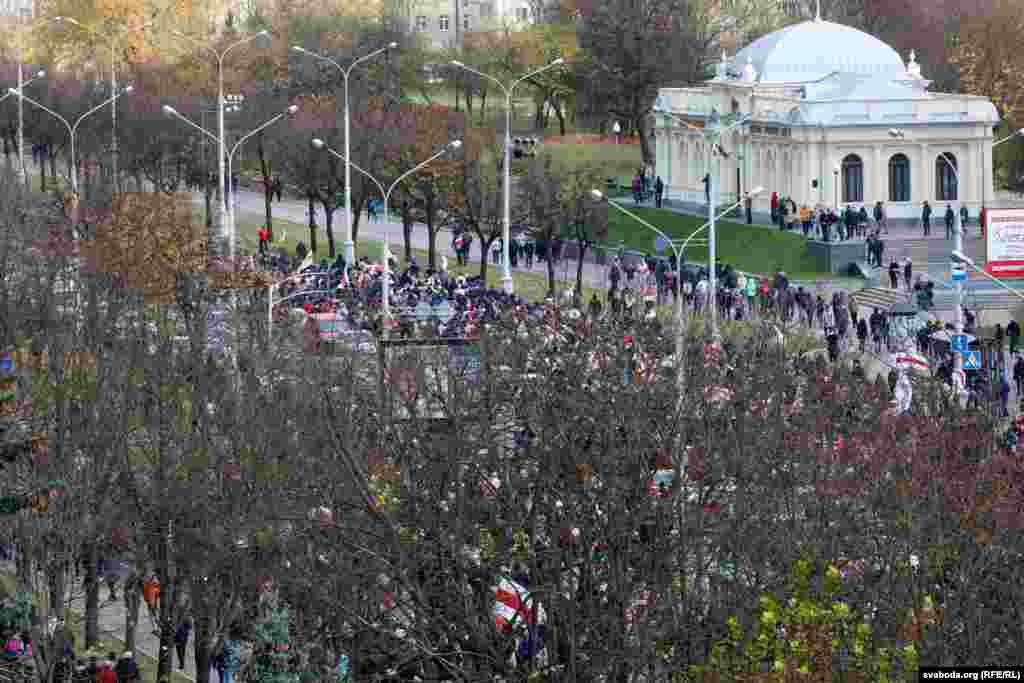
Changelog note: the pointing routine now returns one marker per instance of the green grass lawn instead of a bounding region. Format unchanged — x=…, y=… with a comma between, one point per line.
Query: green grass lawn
x=748, y=248
x=615, y=161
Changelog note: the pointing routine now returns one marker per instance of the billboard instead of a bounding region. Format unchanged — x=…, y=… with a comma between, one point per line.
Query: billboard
x=1004, y=243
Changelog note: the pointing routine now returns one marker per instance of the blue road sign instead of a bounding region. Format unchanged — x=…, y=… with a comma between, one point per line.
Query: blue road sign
x=959, y=343
x=660, y=244
x=959, y=274
x=972, y=360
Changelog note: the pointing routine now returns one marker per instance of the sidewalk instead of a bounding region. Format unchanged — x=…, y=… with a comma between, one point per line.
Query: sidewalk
x=112, y=618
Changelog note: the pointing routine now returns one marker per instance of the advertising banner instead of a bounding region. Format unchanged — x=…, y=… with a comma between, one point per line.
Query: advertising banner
x=1004, y=243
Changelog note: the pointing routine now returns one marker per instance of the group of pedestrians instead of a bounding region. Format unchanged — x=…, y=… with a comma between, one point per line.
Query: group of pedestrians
x=646, y=187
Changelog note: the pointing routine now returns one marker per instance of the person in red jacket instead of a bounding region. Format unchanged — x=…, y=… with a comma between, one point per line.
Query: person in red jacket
x=105, y=672
x=264, y=239
x=775, y=207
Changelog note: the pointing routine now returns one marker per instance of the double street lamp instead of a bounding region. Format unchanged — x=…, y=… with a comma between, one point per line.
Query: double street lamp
x=72, y=128
x=348, y=247
x=386, y=286
x=113, y=77
x=220, y=138
x=230, y=223
x=714, y=136
x=506, y=278
x=678, y=251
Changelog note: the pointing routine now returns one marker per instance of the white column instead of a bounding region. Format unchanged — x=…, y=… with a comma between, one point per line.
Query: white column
x=879, y=179
x=925, y=176
x=669, y=140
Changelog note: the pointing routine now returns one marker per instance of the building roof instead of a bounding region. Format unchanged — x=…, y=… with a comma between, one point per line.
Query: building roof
x=813, y=49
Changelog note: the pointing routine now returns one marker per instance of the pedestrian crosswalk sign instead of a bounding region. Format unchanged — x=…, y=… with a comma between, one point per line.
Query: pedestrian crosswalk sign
x=972, y=360
x=959, y=343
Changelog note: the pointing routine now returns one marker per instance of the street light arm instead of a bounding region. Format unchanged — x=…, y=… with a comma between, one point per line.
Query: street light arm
x=253, y=132
x=949, y=163
x=492, y=79
x=49, y=111
x=535, y=72
x=99, y=106
x=369, y=56
x=413, y=170
x=358, y=168
x=638, y=219
x=970, y=262
x=243, y=41
x=323, y=58
x=1008, y=137
x=196, y=43
x=177, y=114
x=28, y=82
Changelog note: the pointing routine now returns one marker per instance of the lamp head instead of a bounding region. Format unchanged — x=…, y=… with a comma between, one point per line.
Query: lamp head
x=756, y=191
x=13, y=91
x=558, y=61
x=895, y=133
x=263, y=33
x=58, y=18
x=317, y=143
x=455, y=144
x=456, y=62
x=41, y=74
x=290, y=111
x=168, y=109
x=392, y=45
x=1020, y=131
x=597, y=195
x=298, y=48
x=962, y=257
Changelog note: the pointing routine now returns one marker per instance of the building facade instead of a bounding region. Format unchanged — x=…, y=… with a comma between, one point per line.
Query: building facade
x=443, y=23
x=836, y=118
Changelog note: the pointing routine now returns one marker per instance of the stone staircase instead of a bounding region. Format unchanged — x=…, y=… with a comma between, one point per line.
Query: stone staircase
x=879, y=297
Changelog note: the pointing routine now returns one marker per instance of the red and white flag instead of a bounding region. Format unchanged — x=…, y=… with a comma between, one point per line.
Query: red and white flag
x=513, y=606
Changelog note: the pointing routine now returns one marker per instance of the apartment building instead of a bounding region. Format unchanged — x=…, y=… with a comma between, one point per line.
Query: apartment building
x=444, y=23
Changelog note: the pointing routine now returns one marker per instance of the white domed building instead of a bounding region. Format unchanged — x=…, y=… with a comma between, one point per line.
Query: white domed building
x=836, y=118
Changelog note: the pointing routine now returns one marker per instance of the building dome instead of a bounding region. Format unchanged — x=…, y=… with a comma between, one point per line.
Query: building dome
x=813, y=49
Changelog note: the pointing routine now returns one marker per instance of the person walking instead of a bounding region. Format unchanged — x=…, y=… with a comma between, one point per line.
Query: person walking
x=908, y=272
x=637, y=188
x=880, y=217
x=1013, y=332
x=964, y=215
x=181, y=636
x=659, y=191
x=264, y=236
x=862, y=333
x=950, y=220
x=926, y=218
x=862, y=221
x=528, y=251
x=775, y=206
x=1018, y=376
x=894, y=274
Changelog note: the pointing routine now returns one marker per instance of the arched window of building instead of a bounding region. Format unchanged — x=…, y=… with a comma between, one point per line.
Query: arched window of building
x=899, y=178
x=853, y=179
x=945, y=177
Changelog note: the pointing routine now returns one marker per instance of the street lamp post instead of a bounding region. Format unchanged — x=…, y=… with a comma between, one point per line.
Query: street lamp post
x=221, y=151
x=714, y=136
x=506, y=235
x=113, y=80
x=171, y=111
x=386, y=194
x=348, y=246
x=678, y=251
x=71, y=127
x=835, y=186
x=23, y=176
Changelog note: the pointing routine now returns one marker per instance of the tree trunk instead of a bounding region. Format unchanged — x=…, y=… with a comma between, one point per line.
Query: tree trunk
x=645, y=143
x=53, y=163
x=582, y=248
x=485, y=247
x=42, y=175
x=312, y=223
x=329, y=225
x=431, y=246
x=549, y=257
x=268, y=193
x=483, y=105
x=133, y=601
x=208, y=198
x=557, y=106
x=202, y=647
x=407, y=231
x=92, y=597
